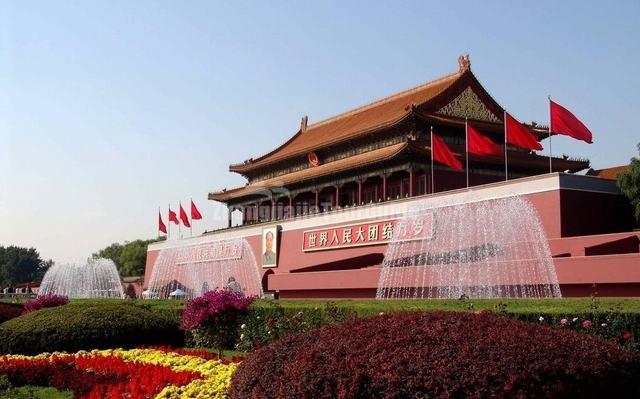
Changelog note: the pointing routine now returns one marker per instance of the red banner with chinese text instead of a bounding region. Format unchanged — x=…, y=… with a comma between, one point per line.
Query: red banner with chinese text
x=368, y=233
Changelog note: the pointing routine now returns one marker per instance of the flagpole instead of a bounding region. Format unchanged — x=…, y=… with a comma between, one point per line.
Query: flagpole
x=169, y=223
x=432, y=182
x=191, y=227
x=466, y=140
x=550, y=167
x=506, y=168
x=179, y=224
x=160, y=217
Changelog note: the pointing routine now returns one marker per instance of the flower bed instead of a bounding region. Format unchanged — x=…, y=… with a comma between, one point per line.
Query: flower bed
x=135, y=374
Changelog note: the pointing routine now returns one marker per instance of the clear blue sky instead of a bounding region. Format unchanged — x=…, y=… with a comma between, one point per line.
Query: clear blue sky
x=111, y=109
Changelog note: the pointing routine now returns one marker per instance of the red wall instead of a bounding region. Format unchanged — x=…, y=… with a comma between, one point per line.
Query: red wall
x=352, y=272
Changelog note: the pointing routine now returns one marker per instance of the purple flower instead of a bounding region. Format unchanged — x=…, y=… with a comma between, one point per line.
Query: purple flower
x=587, y=324
x=205, y=309
x=45, y=301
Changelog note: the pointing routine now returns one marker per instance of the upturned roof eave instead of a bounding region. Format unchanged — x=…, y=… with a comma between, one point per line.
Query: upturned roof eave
x=264, y=160
x=244, y=167
x=264, y=186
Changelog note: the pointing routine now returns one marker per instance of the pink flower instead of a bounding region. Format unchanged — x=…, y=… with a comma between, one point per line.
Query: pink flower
x=587, y=324
x=564, y=322
x=627, y=335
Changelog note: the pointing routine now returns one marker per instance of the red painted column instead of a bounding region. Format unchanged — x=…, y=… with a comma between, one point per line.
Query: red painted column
x=290, y=207
x=359, y=192
x=244, y=215
x=229, y=211
x=273, y=209
x=384, y=187
x=411, y=181
x=317, y=201
x=337, y=196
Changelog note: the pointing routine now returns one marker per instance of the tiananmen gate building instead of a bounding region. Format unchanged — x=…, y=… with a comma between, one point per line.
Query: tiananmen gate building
x=329, y=197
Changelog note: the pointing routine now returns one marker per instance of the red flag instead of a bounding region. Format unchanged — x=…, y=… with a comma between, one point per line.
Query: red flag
x=173, y=217
x=441, y=153
x=195, y=213
x=479, y=144
x=161, y=225
x=564, y=122
x=184, y=217
x=519, y=135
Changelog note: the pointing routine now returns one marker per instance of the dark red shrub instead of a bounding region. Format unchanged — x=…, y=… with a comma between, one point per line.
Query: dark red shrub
x=9, y=311
x=45, y=301
x=436, y=355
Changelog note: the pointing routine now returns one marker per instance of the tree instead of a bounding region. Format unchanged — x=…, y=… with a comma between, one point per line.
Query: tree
x=629, y=183
x=112, y=252
x=130, y=257
x=21, y=265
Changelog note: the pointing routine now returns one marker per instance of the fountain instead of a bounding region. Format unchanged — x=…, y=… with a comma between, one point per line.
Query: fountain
x=493, y=248
x=96, y=278
x=191, y=270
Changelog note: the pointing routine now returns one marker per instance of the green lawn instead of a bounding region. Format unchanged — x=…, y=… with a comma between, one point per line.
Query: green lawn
x=30, y=392
x=557, y=306
x=367, y=307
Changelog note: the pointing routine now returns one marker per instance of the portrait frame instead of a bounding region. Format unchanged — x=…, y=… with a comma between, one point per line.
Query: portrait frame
x=269, y=250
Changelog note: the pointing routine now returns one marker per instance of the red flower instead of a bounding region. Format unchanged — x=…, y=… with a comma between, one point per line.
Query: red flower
x=94, y=376
x=627, y=335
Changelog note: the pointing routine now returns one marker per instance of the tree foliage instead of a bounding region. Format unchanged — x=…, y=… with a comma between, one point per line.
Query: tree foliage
x=629, y=183
x=130, y=257
x=21, y=265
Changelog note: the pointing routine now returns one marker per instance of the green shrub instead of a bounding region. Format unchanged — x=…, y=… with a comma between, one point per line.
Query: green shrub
x=214, y=318
x=90, y=326
x=269, y=320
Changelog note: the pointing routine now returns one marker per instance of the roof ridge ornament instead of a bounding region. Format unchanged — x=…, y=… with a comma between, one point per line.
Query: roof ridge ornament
x=303, y=123
x=411, y=107
x=464, y=63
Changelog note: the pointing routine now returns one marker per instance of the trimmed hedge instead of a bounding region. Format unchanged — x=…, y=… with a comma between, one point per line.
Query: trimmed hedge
x=89, y=326
x=438, y=354
x=9, y=310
